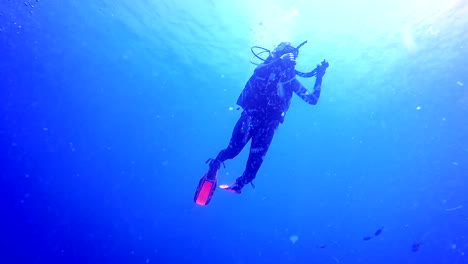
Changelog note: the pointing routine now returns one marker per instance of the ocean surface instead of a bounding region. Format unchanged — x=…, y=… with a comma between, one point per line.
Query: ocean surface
x=109, y=110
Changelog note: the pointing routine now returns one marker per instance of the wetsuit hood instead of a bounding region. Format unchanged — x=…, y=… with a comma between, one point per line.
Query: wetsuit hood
x=281, y=49
x=284, y=48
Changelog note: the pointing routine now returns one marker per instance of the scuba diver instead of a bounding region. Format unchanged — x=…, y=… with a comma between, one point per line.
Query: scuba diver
x=265, y=100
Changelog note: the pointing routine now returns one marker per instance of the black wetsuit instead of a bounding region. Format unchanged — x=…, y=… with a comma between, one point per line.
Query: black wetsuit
x=265, y=100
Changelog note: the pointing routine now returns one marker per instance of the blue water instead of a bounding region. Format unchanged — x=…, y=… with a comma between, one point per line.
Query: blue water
x=109, y=110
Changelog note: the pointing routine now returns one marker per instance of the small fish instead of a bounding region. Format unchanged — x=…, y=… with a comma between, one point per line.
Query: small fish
x=367, y=238
x=415, y=247
x=379, y=231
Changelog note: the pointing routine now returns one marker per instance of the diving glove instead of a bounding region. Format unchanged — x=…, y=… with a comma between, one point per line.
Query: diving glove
x=321, y=68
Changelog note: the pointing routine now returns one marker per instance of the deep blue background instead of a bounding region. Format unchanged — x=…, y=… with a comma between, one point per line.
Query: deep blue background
x=110, y=109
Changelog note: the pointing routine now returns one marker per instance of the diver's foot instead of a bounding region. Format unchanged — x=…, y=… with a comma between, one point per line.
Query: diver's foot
x=213, y=170
x=234, y=188
x=211, y=174
x=214, y=164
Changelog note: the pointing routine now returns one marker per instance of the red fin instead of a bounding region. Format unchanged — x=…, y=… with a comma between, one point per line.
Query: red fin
x=205, y=190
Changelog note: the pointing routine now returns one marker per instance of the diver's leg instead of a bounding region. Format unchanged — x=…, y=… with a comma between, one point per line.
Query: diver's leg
x=261, y=140
x=240, y=136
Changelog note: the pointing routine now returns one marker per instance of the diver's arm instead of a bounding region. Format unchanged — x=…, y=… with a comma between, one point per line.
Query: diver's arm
x=267, y=68
x=301, y=91
x=276, y=65
x=306, y=95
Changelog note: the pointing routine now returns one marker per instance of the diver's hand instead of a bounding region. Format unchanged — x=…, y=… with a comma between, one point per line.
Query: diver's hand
x=321, y=68
x=288, y=58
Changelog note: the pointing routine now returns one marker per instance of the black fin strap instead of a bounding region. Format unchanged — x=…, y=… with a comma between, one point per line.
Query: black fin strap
x=210, y=159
